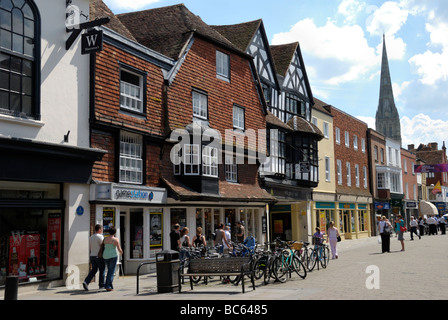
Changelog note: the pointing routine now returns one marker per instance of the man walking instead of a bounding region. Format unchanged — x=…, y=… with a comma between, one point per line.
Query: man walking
x=95, y=242
x=414, y=224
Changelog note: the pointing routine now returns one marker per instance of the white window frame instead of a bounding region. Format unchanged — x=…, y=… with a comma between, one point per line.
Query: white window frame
x=355, y=142
x=357, y=175
x=327, y=169
x=222, y=65
x=209, y=161
x=347, y=139
x=131, y=96
x=200, y=105
x=191, y=159
x=363, y=145
x=326, y=130
x=131, y=162
x=238, y=117
x=364, y=170
x=231, y=169
x=338, y=136
x=349, y=174
x=339, y=171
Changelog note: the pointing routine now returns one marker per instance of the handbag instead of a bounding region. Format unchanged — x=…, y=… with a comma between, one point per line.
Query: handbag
x=403, y=228
x=338, y=238
x=101, y=251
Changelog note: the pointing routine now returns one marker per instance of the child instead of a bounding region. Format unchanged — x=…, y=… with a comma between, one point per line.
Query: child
x=318, y=236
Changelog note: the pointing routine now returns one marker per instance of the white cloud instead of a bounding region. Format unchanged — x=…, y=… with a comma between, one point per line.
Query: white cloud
x=128, y=4
x=341, y=53
x=430, y=66
x=420, y=129
x=389, y=19
x=350, y=9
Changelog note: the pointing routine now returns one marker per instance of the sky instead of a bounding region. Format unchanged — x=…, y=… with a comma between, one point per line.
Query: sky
x=341, y=43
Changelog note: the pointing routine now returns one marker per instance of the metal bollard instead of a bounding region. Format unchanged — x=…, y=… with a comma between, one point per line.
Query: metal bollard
x=11, y=287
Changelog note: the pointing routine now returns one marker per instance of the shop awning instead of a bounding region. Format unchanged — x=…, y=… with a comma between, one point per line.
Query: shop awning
x=427, y=208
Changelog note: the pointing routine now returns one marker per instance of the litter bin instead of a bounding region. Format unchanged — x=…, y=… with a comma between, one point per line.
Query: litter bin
x=167, y=264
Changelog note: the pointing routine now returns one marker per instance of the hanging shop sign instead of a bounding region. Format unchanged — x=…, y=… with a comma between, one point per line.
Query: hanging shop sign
x=92, y=42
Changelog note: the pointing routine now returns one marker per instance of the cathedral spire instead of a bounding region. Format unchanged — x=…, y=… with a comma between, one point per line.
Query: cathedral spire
x=387, y=118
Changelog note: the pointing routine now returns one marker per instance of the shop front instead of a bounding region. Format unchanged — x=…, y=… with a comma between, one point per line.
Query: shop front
x=31, y=231
x=138, y=215
x=209, y=215
x=354, y=220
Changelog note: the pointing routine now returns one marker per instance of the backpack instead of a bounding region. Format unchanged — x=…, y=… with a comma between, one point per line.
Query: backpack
x=386, y=229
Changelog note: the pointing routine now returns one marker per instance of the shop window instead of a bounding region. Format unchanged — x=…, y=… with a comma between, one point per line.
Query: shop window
x=31, y=253
x=156, y=230
x=136, y=233
x=179, y=215
x=19, y=63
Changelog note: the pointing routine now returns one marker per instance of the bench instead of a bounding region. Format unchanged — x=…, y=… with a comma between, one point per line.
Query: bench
x=229, y=266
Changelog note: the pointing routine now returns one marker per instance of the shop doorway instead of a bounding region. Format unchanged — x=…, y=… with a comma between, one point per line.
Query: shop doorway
x=281, y=226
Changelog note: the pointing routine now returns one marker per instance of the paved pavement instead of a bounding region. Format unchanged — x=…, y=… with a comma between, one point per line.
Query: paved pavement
x=361, y=272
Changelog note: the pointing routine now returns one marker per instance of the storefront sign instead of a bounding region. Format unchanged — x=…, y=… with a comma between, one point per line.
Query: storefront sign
x=325, y=205
x=382, y=205
x=121, y=193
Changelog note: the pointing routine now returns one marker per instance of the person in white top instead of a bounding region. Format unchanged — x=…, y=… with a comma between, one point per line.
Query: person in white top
x=226, y=241
x=414, y=224
x=95, y=242
x=332, y=238
x=432, y=224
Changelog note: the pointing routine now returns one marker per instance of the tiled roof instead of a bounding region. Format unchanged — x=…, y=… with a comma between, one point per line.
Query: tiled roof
x=320, y=106
x=239, y=34
x=299, y=124
x=98, y=9
x=282, y=56
x=227, y=192
x=272, y=119
x=167, y=29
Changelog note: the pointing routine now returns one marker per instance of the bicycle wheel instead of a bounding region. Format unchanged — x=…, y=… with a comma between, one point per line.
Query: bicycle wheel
x=280, y=269
x=299, y=268
x=259, y=268
x=312, y=260
x=323, y=257
x=268, y=272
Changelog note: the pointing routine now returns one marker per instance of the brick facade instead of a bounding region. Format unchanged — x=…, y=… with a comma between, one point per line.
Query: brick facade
x=350, y=154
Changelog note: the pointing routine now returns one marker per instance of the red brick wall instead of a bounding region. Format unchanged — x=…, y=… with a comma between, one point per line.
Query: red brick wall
x=356, y=127
x=408, y=177
x=108, y=113
x=107, y=91
x=199, y=71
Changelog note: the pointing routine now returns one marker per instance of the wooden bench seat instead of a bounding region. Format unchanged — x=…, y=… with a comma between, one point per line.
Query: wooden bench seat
x=231, y=266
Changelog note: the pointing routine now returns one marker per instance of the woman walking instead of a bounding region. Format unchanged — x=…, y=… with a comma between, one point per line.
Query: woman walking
x=399, y=224
x=332, y=238
x=110, y=256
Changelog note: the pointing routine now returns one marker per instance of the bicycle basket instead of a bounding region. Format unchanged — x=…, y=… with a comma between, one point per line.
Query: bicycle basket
x=297, y=245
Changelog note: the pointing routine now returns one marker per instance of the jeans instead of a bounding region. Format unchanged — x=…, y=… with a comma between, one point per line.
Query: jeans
x=110, y=264
x=97, y=264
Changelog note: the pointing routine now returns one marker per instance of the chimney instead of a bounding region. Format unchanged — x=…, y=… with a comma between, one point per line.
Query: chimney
x=411, y=147
x=434, y=146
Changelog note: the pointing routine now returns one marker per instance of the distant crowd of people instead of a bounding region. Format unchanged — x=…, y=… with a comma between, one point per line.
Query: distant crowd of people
x=431, y=225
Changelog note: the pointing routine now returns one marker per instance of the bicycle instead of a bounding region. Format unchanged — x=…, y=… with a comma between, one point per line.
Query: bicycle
x=287, y=263
x=319, y=255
